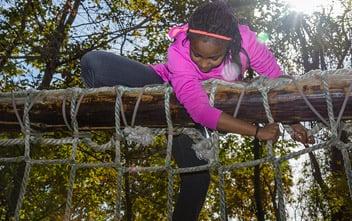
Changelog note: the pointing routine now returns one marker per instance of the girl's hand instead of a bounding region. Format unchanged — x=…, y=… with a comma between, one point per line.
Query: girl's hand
x=269, y=132
x=300, y=134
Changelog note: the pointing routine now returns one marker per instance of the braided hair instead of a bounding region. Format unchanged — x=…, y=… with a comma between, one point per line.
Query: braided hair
x=217, y=17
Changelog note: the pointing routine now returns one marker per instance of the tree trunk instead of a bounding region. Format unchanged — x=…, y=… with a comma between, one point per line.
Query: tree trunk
x=51, y=52
x=338, y=173
x=129, y=215
x=257, y=183
x=17, y=180
x=319, y=179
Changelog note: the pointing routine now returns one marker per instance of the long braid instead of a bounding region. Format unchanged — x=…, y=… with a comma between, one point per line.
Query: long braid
x=218, y=17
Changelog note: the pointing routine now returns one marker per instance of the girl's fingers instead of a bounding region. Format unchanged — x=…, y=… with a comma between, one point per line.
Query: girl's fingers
x=304, y=138
x=298, y=136
x=311, y=140
x=276, y=133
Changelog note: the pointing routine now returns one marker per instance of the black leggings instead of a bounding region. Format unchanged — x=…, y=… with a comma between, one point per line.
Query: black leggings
x=107, y=69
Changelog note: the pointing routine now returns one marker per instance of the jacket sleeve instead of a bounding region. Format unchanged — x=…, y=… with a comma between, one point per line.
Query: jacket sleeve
x=189, y=90
x=261, y=58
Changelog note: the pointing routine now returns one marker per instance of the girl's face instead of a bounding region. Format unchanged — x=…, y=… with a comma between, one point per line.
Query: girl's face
x=207, y=54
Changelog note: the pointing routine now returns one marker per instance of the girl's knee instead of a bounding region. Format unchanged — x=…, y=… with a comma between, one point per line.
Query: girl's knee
x=88, y=59
x=87, y=71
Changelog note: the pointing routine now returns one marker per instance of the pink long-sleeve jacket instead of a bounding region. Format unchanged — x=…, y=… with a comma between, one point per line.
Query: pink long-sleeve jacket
x=185, y=77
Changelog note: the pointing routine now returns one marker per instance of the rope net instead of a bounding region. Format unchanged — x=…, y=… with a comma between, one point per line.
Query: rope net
x=205, y=147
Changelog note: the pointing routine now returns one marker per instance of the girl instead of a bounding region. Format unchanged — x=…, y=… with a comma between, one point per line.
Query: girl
x=211, y=45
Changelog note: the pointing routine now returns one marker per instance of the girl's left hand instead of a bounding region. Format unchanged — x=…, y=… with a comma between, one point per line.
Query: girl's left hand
x=300, y=134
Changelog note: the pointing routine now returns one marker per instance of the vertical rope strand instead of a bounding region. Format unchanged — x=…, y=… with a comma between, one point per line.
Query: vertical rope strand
x=170, y=172
x=222, y=194
x=333, y=127
x=73, y=113
x=117, y=161
x=348, y=169
x=276, y=162
x=27, y=157
x=217, y=163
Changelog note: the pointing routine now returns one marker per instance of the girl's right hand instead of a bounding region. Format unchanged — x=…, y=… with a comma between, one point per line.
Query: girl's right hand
x=270, y=131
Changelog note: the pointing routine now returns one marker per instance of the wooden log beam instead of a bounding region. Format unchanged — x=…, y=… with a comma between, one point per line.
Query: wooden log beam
x=97, y=107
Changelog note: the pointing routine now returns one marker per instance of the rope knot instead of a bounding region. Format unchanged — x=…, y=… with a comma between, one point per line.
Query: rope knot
x=139, y=135
x=204, y=150
x=341, y=145
x=215, y=164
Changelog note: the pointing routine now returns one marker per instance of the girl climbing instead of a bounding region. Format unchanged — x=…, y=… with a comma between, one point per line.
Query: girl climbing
x=212, y=45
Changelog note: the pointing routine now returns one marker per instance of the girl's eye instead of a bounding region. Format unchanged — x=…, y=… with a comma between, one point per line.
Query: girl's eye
x=216, y=58
x=196, y=55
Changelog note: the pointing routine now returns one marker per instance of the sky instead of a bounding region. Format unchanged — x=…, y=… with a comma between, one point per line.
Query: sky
x=309, y=6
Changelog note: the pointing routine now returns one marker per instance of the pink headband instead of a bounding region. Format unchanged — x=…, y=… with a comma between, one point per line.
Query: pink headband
x=210, y=34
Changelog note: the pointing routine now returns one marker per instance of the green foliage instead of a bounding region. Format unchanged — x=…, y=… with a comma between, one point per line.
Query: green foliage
x=329, y=200
x=49, y=38
x=41, y=43
x=239, y=182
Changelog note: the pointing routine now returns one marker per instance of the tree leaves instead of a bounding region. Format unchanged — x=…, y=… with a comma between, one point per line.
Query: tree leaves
x=45, y=40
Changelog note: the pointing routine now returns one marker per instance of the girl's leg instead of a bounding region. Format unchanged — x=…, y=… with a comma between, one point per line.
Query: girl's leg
x=194, y=186
x=107, y=69
x=100, y=68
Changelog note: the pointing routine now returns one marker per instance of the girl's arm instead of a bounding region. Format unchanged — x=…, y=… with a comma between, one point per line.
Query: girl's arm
x=261, y=58
x=263, y=62
x=190, y=93
x=234, y=125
